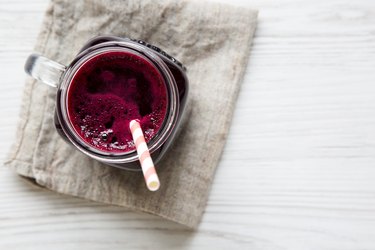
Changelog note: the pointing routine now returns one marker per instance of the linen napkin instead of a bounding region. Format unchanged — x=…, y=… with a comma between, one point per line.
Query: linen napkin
x=212, y=40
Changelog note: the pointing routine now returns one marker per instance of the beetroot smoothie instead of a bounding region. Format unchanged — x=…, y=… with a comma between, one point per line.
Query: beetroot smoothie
x=108, y=91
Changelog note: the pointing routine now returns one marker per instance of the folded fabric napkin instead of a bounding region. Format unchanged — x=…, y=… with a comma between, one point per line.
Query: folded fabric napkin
x=211, y=39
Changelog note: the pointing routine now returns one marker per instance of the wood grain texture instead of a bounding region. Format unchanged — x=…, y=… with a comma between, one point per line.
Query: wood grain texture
x=298, y=169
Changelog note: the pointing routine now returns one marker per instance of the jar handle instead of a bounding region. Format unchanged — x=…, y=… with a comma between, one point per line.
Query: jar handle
x=44, y=69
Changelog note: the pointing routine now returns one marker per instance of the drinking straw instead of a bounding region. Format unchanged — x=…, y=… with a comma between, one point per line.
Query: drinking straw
x=147, y=165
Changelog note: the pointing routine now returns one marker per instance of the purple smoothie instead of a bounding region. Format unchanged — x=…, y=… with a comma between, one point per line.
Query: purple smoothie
x=110, y=90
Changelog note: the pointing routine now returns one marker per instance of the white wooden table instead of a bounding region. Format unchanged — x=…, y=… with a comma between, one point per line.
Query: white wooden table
x=303, y=132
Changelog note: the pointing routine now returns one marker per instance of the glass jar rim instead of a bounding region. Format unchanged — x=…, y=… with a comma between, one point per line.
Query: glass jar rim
x=122, y=46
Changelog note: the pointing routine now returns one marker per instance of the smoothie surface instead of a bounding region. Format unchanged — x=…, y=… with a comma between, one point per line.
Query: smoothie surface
x=110, y=90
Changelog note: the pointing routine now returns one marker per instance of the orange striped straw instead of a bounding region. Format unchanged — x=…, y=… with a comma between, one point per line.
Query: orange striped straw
x=148, y=168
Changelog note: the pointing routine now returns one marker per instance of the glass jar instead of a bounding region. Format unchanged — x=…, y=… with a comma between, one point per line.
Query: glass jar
x=60, y=77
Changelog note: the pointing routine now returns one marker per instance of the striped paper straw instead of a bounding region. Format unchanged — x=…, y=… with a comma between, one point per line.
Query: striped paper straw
x=148, y=168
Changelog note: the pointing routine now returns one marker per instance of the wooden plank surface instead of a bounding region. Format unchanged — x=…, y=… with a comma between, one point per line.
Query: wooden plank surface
x=298, y=171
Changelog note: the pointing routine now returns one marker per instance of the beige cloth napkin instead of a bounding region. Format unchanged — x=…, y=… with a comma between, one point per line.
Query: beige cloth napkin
x=211, y=39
